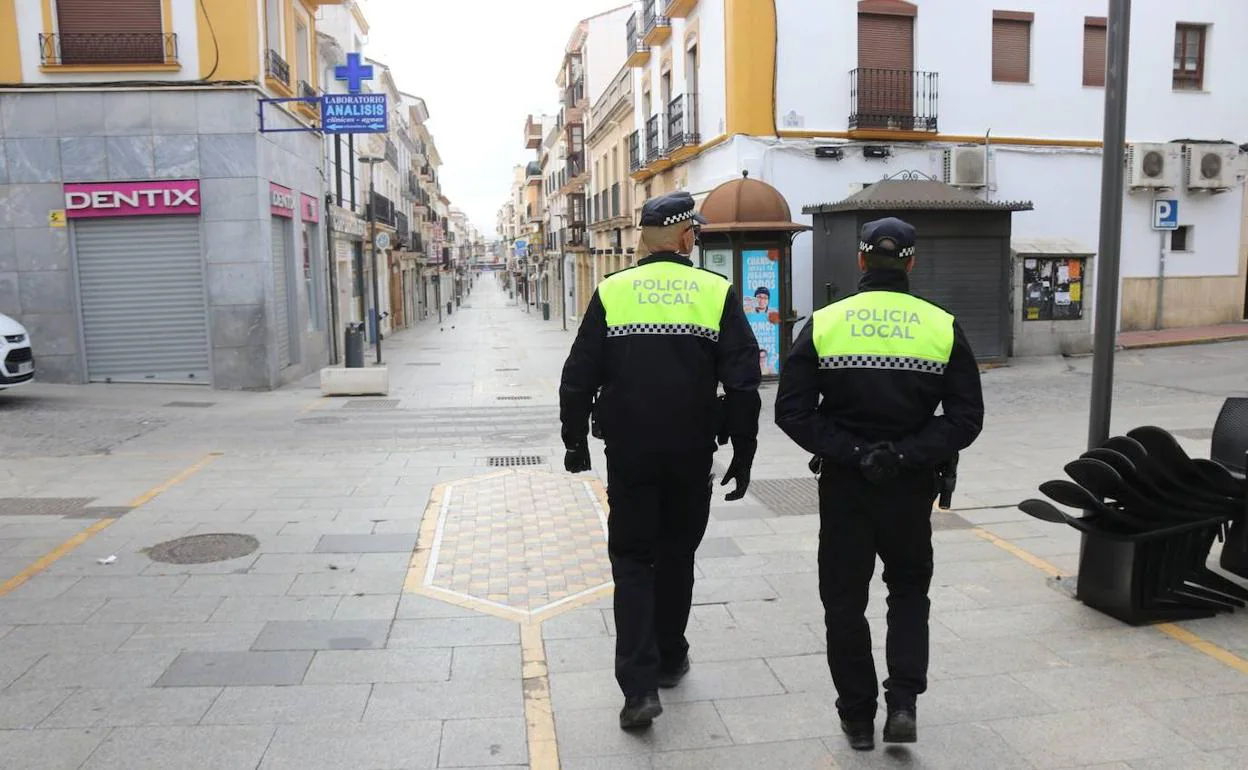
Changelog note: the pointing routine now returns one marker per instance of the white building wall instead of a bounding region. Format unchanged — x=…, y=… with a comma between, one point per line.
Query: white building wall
x=709, y=16
x=604, y=51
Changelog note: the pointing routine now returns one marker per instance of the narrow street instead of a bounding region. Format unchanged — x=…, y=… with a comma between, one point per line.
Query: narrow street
x=414, y=582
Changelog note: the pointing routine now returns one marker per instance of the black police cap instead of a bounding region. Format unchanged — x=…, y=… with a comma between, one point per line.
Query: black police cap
x=889, y=237
x=670, y=209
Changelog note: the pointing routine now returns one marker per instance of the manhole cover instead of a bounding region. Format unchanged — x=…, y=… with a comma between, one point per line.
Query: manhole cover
x=203, y=549
x=425, y=363
x=42, y=506
x=511, y=462
x=321, y=420
x=377, y=403
x=192, y=404
x=515, y=398
x=788, y=497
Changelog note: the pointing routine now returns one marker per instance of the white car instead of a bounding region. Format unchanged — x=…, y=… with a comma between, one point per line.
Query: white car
x=17, y=359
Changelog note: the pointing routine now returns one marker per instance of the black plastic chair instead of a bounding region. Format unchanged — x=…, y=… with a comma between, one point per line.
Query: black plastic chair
x=1229, y=445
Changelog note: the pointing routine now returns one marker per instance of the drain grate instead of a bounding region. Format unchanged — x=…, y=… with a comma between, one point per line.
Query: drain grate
x=511, y=462
x=42, y=506
x=192, y=404
x=321, y=420
x=371, y=403
x=800, y=497
x=515, y=398
x=507, y=370
x=203, y=549
x=425, y=363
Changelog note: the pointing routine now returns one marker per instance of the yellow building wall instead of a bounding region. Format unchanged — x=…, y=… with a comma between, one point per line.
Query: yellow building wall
x=237, y=27
x=749, y=67
x=10, y=56
x=1197, y=301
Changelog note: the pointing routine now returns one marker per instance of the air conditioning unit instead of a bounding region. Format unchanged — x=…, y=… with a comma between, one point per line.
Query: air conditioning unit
x=1152, y=166
x=965, y=167
x=1210, y=166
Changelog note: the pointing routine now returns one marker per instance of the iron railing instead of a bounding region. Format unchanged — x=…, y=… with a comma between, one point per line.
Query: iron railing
x=108, y=48
x=392, y=153
x=401, y=225
x=276, y=67
x=307, y=91
x=576, y=209
x=682, y=122
x=574, y=236
x=900, y=100
x=575, y=164
x=413, y=187
x=634, y=152
x=384, y=207
x=635, y=45
x=653, y=17
x=418, y=242
x=654, y=139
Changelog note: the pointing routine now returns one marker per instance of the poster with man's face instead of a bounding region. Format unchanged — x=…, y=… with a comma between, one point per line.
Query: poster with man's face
x=760, y=281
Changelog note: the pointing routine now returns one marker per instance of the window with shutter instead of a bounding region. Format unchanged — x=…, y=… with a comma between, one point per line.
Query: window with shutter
x=1011, y=46
x=1189, y=56
x=116, y=32
x=1094, y=51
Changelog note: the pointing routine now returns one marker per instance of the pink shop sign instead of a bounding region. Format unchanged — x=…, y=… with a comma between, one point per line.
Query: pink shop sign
x=84, y=200
x=310, y=208
x=282, y=201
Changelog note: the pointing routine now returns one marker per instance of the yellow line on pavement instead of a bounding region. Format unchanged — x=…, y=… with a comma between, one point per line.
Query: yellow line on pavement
x=49, y=558
x=159, y=490
x=1223, y=656
x=539, y=714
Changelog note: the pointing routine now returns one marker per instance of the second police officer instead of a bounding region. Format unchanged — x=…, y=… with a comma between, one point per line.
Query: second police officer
x=860, y=392
x=657, y=340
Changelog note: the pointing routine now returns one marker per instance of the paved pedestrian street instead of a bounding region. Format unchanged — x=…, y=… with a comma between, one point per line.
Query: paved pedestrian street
x=413, y=582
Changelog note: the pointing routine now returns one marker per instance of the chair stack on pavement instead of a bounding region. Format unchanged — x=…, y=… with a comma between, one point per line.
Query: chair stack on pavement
x=1150, y=516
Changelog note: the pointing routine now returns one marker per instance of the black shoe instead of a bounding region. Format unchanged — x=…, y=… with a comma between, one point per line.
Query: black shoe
x=861, y=733
x=669, y=679
x=901, y=726
x=640, y=711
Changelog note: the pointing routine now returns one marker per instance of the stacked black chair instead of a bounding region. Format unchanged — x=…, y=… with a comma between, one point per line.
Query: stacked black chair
x=1150, y=517
x=1229, y=448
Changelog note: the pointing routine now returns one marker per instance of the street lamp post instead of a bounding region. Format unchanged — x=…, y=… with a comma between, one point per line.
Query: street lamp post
x=372, y=161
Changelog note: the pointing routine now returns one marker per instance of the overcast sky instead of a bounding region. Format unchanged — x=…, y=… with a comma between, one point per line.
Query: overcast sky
x=481, y=67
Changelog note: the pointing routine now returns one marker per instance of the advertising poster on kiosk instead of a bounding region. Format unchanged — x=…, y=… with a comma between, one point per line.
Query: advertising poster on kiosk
x=760, y=289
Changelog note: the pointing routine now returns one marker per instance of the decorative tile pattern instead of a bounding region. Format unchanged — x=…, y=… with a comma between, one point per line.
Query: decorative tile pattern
x=520, y=540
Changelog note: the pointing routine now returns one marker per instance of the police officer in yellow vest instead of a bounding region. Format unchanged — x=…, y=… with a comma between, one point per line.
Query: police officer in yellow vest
x=658, y=339
x=860, y=391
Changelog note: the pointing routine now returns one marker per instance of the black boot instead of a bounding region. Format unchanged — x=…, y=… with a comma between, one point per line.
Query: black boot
x=640, y=711
x=861, y=733
x=669, y=679
x=901, y=726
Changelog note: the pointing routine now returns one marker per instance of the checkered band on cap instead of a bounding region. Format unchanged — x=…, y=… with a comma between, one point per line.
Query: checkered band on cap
x=681, y=217
x=692, y=330
x=908, y=251
x=899, y=363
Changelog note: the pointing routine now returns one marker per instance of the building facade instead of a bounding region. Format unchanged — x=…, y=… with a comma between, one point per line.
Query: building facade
x=1008, y=113
x=612, y=218
x=149, y=231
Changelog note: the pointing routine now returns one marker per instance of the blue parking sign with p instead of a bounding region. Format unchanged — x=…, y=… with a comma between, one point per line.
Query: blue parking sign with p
x=1165, y=214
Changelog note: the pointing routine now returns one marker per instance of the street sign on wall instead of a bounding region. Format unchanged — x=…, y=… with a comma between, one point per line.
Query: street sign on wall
x=354, y=114
x=1166, y=214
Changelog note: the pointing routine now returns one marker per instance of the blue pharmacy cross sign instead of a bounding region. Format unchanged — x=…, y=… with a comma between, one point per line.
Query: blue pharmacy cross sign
x=354, y=73
x=1166, y=214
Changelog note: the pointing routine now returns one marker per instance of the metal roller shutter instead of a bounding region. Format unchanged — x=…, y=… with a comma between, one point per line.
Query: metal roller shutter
x=885, y=66
x=84, y=16
x=1011, y=51
x=281, y=315
x=141, y=287
x=967, y=277
x=1094, y=53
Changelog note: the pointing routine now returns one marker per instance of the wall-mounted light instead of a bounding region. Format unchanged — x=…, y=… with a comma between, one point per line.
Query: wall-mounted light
x=876, y=151
x=827, y=151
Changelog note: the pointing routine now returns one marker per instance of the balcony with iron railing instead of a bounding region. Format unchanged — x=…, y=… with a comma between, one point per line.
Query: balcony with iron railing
x=634, y=152
x=418, y=242
x=103, y=48
x=384, y=210
x=656, y=24
x=682, y=126
x=413, y=187
x=680, y=9
x=574, y=237
x=893, y=100
x=574, y=94
x=575, y=166
x=392, y=153
x=276, y=67
x=638, y=51
x=654, y=139
x=403, y=230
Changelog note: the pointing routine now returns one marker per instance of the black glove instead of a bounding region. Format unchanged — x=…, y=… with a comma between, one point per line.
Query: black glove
x=743, y=450
x=881, y=463
x=576, y=459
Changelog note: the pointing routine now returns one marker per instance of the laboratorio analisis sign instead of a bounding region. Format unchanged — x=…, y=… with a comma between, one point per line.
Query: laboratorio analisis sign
x=354, y=114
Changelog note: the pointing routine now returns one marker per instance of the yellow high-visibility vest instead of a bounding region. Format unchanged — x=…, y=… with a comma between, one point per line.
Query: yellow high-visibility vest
x=883, y=330
x=663, y=298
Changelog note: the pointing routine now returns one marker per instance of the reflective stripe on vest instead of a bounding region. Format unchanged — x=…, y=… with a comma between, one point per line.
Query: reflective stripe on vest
x=663, y=298
x=883, y=330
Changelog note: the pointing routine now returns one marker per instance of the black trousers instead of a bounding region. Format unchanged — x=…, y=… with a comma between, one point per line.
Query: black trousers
x=858, y=520
x=660, y=504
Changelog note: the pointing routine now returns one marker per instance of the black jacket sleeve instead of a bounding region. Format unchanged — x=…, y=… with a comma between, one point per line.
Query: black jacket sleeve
x=736, y=361
x=963, y=406
x=583, y=374
x=797, y=407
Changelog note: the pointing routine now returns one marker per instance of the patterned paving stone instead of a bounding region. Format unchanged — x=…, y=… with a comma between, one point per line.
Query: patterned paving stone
x=520, y=540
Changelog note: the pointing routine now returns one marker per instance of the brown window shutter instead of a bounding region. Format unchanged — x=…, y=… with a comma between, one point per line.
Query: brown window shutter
x=1011, y=51
x=1094, y=55
x=885, y=42
x=93, y=16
